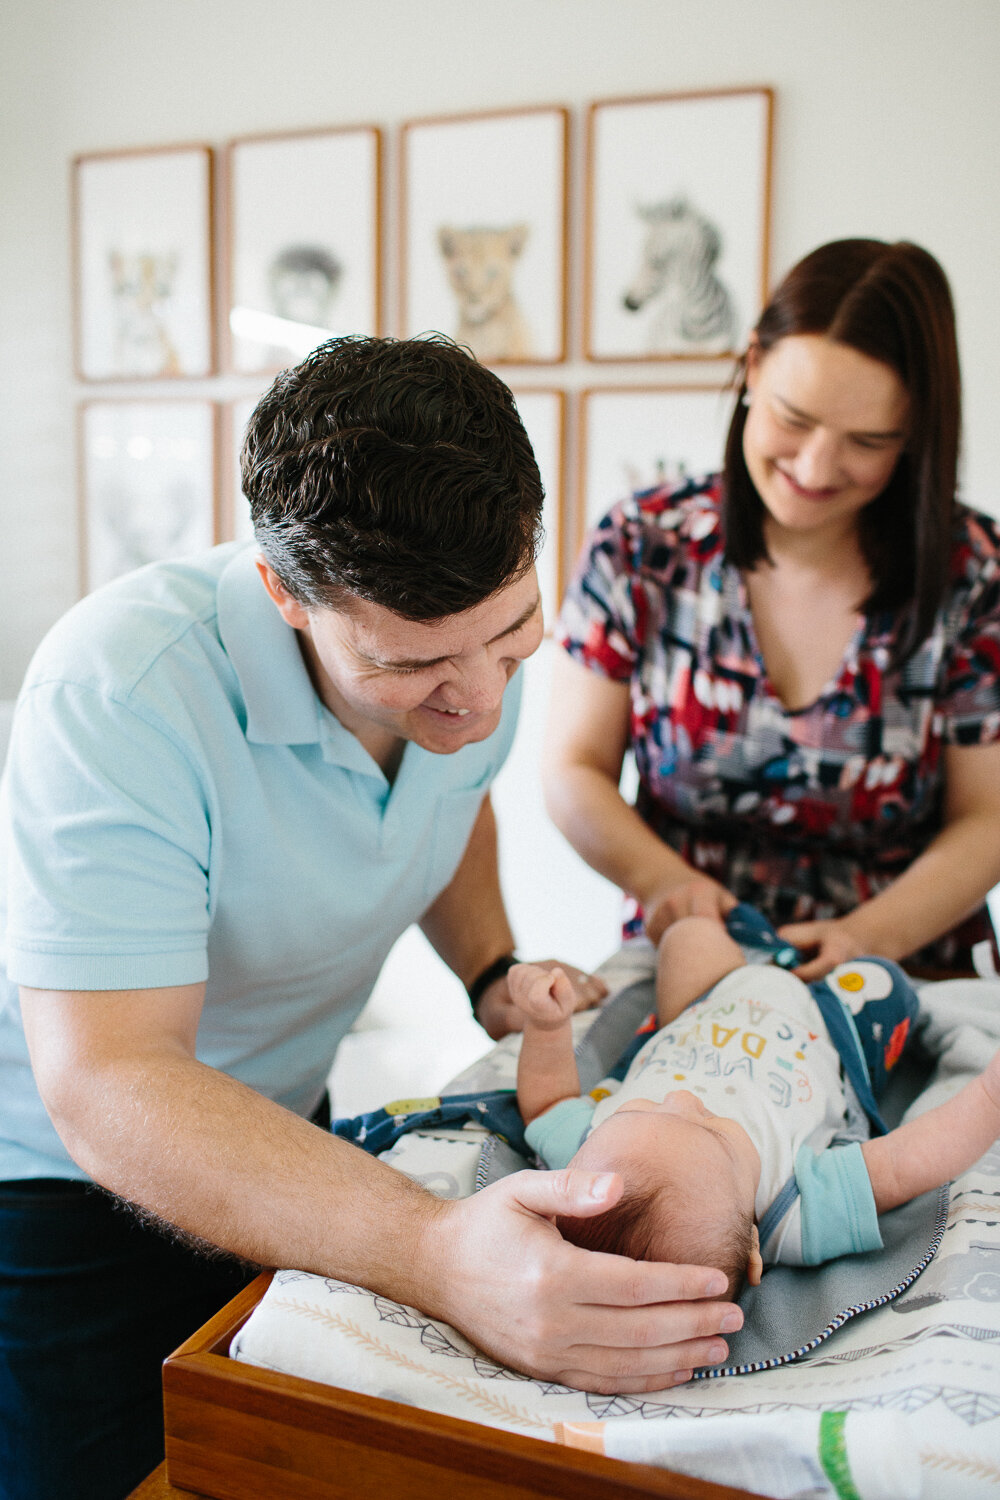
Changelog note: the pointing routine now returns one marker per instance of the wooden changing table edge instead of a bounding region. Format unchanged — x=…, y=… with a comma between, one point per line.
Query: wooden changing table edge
x=235, y=1431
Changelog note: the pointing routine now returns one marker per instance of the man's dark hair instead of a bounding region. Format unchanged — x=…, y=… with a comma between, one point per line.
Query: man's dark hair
x=392, y=470
x=892, y=303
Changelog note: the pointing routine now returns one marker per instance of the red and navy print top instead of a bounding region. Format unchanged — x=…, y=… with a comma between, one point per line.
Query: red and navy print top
x=804, y=813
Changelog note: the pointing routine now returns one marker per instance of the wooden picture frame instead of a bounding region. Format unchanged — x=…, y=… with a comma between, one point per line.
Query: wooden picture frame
x=143, y=263
x=677, y=224
x=543, y=412
x=234, y=518
x=304, y=260
x=147, y=483
x=483, y=223
x=635, y=437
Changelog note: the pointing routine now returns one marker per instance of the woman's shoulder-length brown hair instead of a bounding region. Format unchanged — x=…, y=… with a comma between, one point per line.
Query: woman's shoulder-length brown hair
x=891, y=302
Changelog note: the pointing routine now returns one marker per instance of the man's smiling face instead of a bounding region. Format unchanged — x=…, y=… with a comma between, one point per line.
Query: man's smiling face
x=437, y=683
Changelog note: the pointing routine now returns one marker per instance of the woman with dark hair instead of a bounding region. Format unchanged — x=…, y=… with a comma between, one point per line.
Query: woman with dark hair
x=803, y=652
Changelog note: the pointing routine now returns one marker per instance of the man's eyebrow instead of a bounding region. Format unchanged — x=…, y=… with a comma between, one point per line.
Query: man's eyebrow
x=805, y=416
x=408, y=663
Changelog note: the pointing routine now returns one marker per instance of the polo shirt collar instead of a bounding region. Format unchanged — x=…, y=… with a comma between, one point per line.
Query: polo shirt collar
x=282, y=706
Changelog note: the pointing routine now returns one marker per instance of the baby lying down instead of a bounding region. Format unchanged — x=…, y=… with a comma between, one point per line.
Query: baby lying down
x=743, y=1129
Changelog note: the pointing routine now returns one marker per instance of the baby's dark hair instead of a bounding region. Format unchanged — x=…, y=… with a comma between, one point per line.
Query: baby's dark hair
x=655, y=1222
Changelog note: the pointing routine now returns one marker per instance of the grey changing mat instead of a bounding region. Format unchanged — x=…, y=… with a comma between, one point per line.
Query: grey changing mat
x=797, y=1308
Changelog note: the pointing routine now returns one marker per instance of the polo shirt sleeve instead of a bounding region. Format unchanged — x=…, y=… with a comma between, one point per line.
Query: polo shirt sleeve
x=556, y=1136
x=837, y=1203
x=110, y=838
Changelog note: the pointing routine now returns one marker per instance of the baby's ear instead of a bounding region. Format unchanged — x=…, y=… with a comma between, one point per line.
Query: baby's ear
x=755, y=1265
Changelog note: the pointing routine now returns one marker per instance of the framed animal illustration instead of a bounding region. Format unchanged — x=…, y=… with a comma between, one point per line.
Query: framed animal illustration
x=678, y=210
x=235, y=522
x=143, y=259
x=483, y=224
x=634, y=438
x=544, y=416
x=147, y=472
x=304, y=243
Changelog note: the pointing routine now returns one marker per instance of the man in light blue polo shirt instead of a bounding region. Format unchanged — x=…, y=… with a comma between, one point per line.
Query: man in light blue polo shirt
x=232, y=783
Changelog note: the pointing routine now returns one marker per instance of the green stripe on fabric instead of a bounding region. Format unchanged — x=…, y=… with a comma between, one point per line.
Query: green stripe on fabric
x=833, y=1454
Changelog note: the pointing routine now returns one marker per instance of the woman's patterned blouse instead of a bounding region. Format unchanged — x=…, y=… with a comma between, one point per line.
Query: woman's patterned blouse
x=808, y=812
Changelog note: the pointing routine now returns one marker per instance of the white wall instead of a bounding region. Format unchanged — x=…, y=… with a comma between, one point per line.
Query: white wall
x=887, y=123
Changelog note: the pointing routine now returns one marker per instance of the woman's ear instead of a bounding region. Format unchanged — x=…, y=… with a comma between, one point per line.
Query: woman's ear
x=752, y=362
x=291, y=611
x=755, y=1265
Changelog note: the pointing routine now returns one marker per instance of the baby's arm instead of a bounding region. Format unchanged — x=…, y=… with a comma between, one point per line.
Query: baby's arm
x=546, y=1069
x=932, y=1149
x=694, y=953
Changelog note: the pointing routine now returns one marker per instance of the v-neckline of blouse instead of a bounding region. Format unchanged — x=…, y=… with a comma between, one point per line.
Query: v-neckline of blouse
x=834, y=684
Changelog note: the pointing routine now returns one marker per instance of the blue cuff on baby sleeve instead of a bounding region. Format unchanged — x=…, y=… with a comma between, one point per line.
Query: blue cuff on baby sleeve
x=838, y=1206
x=557, y=1135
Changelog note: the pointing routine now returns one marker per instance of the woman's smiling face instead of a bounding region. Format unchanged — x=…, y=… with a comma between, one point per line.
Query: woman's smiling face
x=824, y=432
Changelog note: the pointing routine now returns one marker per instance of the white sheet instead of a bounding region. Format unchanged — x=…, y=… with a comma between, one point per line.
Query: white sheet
x=928, y=1364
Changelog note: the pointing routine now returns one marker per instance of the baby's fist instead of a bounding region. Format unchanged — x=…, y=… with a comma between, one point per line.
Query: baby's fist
x=544, y=996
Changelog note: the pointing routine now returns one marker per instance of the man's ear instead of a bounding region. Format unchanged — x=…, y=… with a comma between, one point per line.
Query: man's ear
x=755, y=1265
x=291, y=611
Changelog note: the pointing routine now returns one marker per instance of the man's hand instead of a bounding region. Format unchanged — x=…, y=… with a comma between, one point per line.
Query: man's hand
x=507, y=1279
x=498, y=1013
x=698, y=897
x=828, y=944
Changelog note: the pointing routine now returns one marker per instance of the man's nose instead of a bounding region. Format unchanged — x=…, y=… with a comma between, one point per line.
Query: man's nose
x=480, y=687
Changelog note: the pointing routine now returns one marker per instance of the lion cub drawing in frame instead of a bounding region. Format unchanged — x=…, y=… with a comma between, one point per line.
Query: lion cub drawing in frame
x=480, y=264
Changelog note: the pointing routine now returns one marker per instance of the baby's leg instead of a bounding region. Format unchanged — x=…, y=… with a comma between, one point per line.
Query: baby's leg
x=694, y=953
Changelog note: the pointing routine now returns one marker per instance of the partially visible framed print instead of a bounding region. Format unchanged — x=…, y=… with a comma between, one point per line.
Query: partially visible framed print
x=543, y=415
x=304, y=243
x=483, y=254
x=639, y=437
x=143, y=264
x=148, y=484
x=236, y=523
x=678, y=208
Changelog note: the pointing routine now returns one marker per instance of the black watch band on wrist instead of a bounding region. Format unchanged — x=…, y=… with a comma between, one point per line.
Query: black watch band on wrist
x=496, y=970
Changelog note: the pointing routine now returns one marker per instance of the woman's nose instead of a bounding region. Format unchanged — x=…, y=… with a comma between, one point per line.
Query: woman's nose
x=817, y=460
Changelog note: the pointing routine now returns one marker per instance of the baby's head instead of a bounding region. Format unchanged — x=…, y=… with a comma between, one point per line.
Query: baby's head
x=690, y=1182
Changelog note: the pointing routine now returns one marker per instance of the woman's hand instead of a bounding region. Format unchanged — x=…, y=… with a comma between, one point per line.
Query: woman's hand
x=701, y=896
x=497, y=1013
x=828, y=943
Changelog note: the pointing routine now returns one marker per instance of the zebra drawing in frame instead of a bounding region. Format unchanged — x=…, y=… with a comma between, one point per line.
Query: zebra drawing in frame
x=690, y=310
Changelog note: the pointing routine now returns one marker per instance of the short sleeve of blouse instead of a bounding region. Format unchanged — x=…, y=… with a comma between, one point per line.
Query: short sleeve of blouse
x=969, y=700
x=633, y=562
x=597, y=620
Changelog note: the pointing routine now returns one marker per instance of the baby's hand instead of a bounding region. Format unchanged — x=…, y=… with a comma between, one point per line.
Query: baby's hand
x=544, y=996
